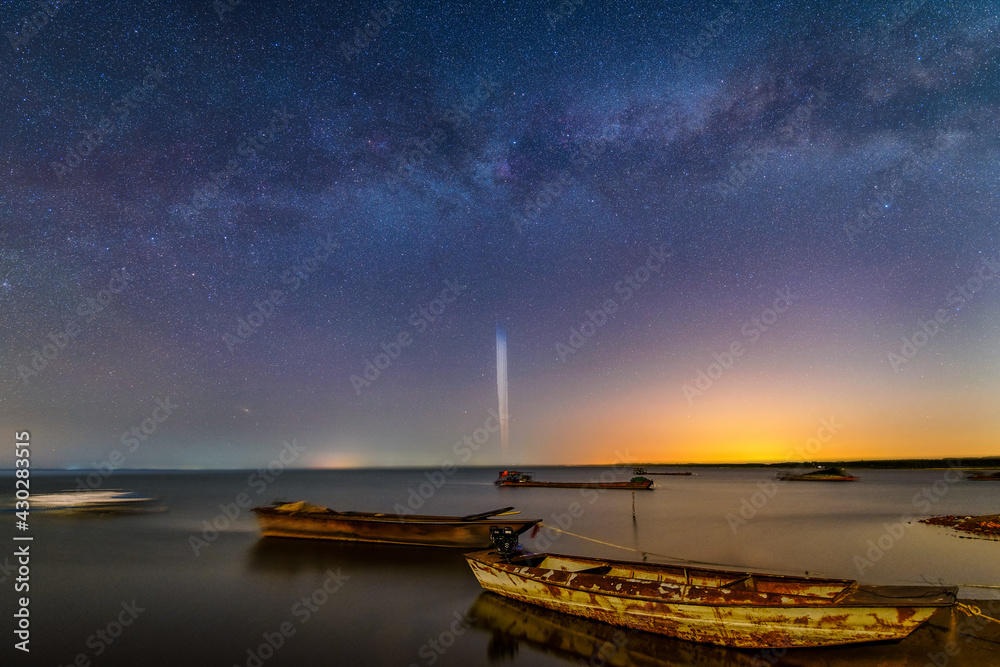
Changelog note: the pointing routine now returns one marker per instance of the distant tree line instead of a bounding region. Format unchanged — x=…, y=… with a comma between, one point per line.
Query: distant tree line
x=968, y=462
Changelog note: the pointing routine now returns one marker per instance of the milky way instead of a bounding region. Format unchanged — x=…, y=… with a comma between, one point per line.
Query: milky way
x=706, y=228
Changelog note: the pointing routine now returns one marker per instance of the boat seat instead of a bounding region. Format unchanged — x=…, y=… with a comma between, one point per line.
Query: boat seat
x=600, y=569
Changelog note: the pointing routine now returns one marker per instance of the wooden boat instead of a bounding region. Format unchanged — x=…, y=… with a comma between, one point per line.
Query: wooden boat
x=984, y=477
x=821, y=475
x=643, y=471
x=517, y=478
x=730, y=608
x=303, y=520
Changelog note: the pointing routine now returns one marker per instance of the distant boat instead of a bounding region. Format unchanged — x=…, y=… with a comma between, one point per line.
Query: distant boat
x=517, y=478
x=821, y=475
x=984, y=477
x=739, y=609
x=643, y=471
x=102, y=500
x=302, y=520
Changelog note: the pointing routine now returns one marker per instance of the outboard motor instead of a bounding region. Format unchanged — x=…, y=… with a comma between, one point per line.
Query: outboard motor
x=504, y=541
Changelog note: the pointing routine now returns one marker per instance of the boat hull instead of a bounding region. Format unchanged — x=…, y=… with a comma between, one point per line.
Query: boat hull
x=384, y=528
x=634, y=486
x=719, y=615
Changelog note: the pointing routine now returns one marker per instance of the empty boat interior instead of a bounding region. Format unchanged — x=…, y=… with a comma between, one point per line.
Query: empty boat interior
x=676, y=575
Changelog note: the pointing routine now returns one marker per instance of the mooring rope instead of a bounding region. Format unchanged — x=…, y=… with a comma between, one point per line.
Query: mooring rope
x=687, y=561
x=591, y=539
x=978, y=612
x=973, y=610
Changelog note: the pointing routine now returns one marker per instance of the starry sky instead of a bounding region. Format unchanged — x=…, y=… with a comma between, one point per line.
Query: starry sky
x=748, y=231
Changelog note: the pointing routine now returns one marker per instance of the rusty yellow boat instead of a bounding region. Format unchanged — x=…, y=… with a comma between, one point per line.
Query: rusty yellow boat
x=729, y=608
x=303, y=520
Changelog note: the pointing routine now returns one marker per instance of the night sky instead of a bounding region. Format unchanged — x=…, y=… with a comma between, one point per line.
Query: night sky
x=712, y=232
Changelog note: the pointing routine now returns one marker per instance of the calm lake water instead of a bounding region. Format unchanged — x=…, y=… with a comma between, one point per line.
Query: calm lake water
x=378, y=605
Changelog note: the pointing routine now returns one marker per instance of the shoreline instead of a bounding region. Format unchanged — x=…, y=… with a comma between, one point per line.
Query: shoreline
x=986, y=525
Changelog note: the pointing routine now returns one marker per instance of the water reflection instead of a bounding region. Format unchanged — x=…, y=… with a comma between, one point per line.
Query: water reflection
x=573, y=638
x=291, y=556
x=588, y=642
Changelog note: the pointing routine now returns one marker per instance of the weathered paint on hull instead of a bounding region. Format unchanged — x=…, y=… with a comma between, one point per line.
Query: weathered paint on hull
x=785, y=621
x=388, y=530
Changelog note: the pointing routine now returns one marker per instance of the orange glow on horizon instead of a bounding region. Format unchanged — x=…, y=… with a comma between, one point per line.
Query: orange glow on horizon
x=747, y=423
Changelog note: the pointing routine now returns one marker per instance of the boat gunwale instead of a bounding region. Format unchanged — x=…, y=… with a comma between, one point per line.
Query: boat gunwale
x=662, y=566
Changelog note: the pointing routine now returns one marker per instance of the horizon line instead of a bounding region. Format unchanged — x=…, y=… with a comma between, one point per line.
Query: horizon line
x=536, y=465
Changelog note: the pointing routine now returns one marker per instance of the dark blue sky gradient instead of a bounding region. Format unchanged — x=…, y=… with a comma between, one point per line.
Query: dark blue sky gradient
x=546, y=157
